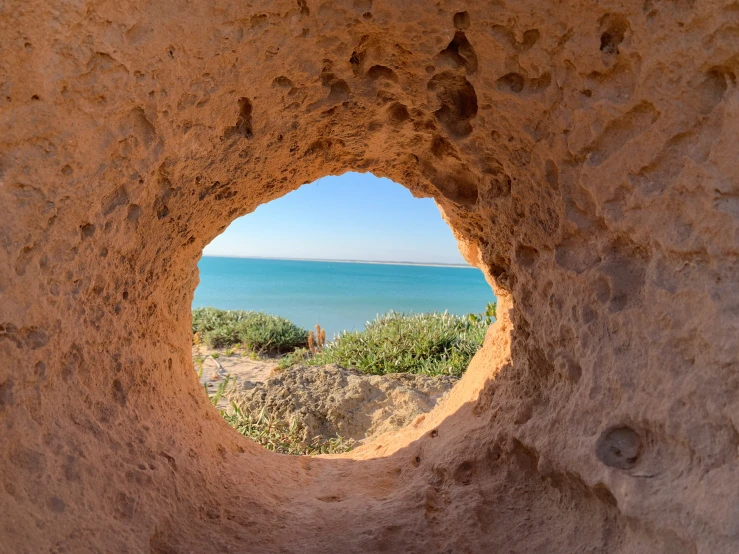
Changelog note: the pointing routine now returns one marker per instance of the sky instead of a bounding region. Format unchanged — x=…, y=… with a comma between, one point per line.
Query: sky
x=355, y=216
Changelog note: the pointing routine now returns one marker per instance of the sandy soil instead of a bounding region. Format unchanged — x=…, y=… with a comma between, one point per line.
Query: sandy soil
x=330, y=400
x=239, y=368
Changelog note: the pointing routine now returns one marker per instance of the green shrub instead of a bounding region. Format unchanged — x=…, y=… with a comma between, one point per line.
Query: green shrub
x=209, y=319
x=221, y=337
x=297, y=356
x=260, y=332
x=256, y=331
x=431, y=343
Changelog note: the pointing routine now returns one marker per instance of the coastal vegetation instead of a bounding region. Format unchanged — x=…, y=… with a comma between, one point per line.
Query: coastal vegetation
x=433, y=344
x=254, y=331
x=281, y=436
x=430, y=344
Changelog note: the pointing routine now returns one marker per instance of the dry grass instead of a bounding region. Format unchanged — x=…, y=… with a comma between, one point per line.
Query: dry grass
x=281, y=436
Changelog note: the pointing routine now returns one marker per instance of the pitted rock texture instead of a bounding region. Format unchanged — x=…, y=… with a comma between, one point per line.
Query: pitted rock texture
x=329, y=401
x=585, y=156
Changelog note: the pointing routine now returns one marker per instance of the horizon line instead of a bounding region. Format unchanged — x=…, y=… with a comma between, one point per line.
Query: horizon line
x=375, y=262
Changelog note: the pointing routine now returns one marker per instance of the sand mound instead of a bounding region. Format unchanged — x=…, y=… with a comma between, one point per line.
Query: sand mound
x=329, y=400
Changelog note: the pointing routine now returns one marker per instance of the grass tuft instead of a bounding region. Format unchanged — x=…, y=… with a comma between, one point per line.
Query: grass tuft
x=280, y=436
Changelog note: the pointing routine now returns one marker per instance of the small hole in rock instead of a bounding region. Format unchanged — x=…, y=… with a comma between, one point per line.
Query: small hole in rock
x=619, y=447
x=461, y=20
x=512, y=82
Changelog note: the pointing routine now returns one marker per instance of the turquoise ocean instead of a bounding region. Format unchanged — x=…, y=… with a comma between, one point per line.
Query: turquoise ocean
x=337, y=295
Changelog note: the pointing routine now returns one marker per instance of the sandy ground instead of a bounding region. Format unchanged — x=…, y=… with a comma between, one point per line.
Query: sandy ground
x=239, y=368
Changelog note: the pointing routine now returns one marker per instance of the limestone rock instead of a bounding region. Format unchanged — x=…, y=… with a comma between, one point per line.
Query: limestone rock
x=584, y=154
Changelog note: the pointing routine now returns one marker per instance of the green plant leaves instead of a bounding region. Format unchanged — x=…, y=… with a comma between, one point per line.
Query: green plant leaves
x=431, y=343
x=256, y=331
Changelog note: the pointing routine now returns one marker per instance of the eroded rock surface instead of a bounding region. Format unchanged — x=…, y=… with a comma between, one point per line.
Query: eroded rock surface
x=330, y=400
x=585, y=156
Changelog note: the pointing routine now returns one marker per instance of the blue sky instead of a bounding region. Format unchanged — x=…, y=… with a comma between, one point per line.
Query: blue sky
x=355, y=216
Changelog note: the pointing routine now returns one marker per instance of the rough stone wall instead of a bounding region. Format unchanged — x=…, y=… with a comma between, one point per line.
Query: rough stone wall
x=585, y=155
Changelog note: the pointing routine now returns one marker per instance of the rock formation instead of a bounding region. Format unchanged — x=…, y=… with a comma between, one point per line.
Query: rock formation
x=584, y=154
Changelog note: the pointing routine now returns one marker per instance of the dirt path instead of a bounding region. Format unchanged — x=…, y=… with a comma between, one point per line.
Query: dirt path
x=240, y=369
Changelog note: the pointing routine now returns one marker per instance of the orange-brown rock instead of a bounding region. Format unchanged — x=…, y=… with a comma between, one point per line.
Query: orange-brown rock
x=585, y=155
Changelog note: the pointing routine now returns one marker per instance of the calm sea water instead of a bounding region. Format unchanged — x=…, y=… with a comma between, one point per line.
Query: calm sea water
x=337, y=295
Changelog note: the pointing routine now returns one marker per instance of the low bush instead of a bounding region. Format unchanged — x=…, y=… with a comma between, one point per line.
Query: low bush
x=255, y=331
x=430, y=343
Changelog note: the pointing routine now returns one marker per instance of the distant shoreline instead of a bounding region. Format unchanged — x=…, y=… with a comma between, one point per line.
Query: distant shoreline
x=369, y=262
